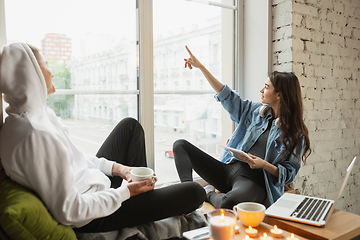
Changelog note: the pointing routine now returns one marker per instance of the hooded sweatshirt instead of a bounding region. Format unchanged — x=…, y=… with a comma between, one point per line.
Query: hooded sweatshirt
x=36, y=151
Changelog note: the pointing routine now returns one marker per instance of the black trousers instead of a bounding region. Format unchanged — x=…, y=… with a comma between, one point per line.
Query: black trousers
x=126, y=145
x=227, y=178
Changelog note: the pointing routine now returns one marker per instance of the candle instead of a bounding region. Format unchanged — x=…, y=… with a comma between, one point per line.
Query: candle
x=276, y=232
x=265, y=237
x=237, y=228
x=222, y=227
x=251, y=232
x=247, y=238
x=292, y=237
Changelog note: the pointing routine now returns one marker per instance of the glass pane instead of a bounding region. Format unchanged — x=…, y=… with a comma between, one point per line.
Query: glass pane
x=90, y=45
x=182, y=115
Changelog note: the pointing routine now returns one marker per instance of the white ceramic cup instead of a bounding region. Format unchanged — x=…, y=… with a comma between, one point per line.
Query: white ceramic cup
x=142, y=173
x=250, y=213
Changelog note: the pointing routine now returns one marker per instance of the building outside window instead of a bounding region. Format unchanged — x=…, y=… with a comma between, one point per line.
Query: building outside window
x=97, y=72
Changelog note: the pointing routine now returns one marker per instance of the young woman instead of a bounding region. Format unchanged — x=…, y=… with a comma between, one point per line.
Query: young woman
x=81, y=191
x=271, y=132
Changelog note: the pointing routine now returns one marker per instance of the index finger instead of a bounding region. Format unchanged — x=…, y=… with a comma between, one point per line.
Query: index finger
x=188, y=50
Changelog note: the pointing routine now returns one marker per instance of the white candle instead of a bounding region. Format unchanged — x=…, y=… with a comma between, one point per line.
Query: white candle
x=292, y=237
x=276, y=232
x=247, y=238
x=251, y=232
x=265, y=237
x=237, y=228
x=222, y=227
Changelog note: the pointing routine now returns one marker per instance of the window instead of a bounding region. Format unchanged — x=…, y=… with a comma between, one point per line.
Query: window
x=183, y=97
x=99, y=74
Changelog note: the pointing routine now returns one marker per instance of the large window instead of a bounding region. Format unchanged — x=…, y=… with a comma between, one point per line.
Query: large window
x=184, y=106
x=94, y=49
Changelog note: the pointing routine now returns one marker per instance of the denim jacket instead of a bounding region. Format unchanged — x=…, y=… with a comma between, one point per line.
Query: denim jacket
x=250, y=126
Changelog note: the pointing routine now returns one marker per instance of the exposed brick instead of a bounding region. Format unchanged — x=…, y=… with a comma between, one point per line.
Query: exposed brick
x=326, y=25
x=309, y=71
x=275, y=2
x=298, y=45
x=301, y=57
x=305, y=9
x=283, y=32
x=284, y=45
x=338, y=62
x=352, y=43
x=327, y=61
x=342, y=73
x=348, y=32
x=282, y=20
x=323, y=167
x=317, y=36
x=282, y=8
x=285, y=56
x=357, y=12
x=323, y=72
x=350, y=10
x=312, y=22
x=354, y=22
x=356, y=33
x=326, y=58
x=298, y=20
x=325, y=4
x=339, y=7
x=311, y=46
x=302, y=33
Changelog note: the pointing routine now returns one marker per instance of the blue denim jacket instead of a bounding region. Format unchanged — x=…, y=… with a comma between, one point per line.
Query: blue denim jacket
x=250, y=126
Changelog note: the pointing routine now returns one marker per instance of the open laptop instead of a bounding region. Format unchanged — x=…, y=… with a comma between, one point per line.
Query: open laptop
x=310, y=210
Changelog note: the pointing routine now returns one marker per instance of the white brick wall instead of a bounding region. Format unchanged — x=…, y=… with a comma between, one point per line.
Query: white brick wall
x=319, y=40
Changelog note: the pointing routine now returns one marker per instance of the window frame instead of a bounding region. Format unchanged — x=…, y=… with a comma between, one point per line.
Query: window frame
x=145, y=93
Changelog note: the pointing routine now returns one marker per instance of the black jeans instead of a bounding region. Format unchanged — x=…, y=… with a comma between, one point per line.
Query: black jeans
x=234, y=187
x=126, y=145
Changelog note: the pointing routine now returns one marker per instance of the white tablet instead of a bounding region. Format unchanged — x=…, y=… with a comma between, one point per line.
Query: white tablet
x=197, y=234
x=236, y=153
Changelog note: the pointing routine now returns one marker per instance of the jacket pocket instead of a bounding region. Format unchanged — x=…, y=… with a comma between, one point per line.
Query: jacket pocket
x=279, y=146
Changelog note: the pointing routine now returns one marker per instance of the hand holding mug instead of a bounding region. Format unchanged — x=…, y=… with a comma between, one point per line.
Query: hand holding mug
x=143, y=173
x=136, y=188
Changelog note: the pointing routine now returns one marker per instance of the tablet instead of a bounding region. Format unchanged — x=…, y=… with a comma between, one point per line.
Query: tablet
x=236, y=153
x=197, y=234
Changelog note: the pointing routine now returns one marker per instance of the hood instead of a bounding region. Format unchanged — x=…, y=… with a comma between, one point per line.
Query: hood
x=21, y=80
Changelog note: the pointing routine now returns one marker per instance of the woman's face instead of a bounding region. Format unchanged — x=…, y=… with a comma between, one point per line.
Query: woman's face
x=48, y=75
x=268, y=94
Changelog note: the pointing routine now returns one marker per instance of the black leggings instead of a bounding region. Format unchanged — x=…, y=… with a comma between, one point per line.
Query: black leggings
x=234, y=187
x=126, y=145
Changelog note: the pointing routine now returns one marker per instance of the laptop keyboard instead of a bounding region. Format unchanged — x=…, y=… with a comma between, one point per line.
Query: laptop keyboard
x=311, y=209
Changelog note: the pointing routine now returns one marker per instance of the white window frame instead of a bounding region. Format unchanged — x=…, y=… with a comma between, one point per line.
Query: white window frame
x=249, y=74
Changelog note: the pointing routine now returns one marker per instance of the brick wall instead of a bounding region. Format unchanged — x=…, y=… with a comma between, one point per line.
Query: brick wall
x=319, y=40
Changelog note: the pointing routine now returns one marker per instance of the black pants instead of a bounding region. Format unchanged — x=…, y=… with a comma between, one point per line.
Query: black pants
x=126, y=145
x=234, y=187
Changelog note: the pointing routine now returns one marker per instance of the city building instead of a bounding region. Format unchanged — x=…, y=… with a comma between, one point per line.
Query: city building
x=56, y=46
x=116, y=69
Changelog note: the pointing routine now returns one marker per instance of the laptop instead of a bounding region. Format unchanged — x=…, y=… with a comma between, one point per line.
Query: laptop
x=310, y=210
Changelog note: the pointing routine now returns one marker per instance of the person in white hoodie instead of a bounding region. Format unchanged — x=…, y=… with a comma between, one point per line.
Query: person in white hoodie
x=84, y=192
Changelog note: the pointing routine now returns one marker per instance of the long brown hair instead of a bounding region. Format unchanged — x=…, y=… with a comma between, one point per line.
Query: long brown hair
x=291, y=112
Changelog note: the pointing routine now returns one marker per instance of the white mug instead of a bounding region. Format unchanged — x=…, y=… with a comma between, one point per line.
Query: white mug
x=142, y=173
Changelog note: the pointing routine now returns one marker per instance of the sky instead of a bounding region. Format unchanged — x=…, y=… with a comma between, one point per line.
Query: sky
x=29, y=20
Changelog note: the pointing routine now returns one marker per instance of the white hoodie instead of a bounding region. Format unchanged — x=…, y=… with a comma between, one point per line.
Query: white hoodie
x=35, y=149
